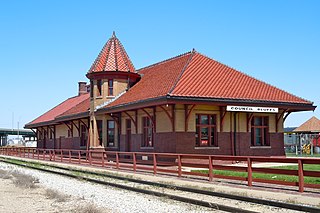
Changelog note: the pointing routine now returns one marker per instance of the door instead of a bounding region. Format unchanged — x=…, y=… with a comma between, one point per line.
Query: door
x=128, y=135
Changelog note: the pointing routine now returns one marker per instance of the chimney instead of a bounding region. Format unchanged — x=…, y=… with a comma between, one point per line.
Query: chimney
x=82, y=88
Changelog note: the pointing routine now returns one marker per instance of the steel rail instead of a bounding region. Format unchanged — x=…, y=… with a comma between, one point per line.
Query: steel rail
x=168, y=186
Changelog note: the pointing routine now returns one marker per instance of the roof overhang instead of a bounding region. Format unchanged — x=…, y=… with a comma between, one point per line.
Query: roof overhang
x=58, y=120
x=132, y=76
x=289, y=107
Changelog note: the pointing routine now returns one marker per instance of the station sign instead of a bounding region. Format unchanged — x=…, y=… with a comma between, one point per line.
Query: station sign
x=252, y=109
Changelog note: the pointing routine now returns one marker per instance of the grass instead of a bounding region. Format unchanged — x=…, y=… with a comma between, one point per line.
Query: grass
x=302, y=155
x=289, y=178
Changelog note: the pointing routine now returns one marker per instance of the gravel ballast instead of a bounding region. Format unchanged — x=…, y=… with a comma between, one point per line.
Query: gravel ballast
x=107, y=198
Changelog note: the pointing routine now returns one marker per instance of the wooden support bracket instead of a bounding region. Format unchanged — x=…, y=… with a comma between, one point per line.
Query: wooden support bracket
x=133, y=120
x=187, y=113
x=171, y=117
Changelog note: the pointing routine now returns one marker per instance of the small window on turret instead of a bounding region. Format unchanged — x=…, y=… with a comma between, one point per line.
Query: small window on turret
x=110, y=87
x=99, y=85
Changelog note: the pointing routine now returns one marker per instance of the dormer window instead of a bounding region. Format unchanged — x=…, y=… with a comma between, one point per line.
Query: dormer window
x=99, y=87
x=110, y=87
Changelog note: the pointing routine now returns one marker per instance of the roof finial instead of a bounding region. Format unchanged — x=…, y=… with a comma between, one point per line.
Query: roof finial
x=113, y=34
x=193, y=50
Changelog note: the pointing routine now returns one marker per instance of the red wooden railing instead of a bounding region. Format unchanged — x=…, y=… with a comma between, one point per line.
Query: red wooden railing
x=169, y=163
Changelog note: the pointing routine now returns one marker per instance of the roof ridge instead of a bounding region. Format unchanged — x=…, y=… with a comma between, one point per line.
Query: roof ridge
x=182, y=71
x=166, y=60
x=254, y=78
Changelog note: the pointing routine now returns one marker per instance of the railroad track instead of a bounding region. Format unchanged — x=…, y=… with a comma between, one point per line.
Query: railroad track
x=170, y=191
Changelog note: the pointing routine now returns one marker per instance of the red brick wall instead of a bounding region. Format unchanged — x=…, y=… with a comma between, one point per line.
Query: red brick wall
x=276, y=145
x=182, y=142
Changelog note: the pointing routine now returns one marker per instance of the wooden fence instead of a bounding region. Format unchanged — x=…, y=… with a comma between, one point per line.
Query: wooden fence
x=179, y=164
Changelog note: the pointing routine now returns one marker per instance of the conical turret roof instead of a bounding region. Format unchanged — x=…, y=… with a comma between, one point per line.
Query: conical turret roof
x=113, y=57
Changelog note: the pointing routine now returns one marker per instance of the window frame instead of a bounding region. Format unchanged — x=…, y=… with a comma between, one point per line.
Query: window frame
x=114, y=133
x=210, y=126
x=110, y=87
x=264, y=129
x=99, y=88
x=147, y=126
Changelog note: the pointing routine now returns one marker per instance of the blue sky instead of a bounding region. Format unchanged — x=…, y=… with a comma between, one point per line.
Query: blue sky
x=46, y=47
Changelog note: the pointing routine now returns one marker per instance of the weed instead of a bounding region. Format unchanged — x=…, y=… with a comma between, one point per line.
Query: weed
x=5, y=174
x=90, y=208
x=53, y=194
x=24, y=180
x=290, y=200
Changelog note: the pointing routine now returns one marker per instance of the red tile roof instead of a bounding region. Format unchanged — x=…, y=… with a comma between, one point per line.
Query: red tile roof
x=113, y=57
x=205, y=77
x=157, y=80
x=82, y=107
x=59, y=110
x=311, y=125
x=193, y=75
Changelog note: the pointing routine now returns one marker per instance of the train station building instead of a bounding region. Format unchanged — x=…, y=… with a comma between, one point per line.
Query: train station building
x=185, y=104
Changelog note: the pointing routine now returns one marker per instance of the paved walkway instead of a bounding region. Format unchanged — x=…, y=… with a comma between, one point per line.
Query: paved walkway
x=263, y=191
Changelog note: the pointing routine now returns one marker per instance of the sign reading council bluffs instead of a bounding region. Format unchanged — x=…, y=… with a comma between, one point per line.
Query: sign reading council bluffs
x=252, y=109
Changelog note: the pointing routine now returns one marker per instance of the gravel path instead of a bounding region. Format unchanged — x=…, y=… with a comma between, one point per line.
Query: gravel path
x=106, y=198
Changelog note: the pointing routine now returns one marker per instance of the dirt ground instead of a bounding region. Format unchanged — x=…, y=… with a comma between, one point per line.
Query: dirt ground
x=16, y=199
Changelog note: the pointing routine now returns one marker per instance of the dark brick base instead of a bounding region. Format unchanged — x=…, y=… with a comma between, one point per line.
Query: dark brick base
x=184, y=142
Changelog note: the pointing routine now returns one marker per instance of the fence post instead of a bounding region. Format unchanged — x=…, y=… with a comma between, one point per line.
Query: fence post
x=117, y=160
x=210, y=169
x=54, y=155
x=50, y=156
x=69, y=156
x=43, y=154
x=249, y=170
x=102, y=158
x=179, y=166
x=79, y=156
x=154, y=164
x=90, y=157
x=134, y=161
x=61, y=155
x=300, y=173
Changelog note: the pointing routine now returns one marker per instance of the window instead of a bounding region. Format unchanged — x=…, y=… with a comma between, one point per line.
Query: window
x=111, y=133
x=147, y=140
x=51, y=133
x=83, y=136
x=206, y=130
x=110, y=87
x=99, y=126
x=260, y=131
x=99, y=87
